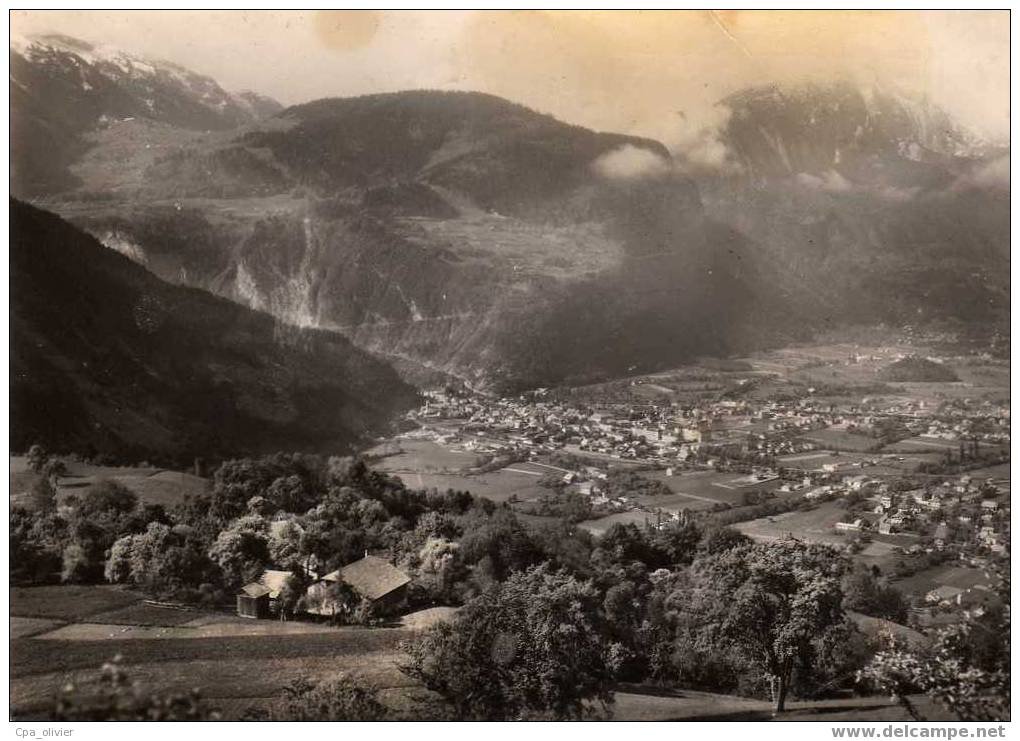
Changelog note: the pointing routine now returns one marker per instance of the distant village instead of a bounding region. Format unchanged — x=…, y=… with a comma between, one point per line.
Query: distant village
x=934, y=510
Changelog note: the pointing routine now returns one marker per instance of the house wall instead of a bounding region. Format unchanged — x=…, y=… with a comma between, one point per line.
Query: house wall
x=392, y=602
x=252, y=607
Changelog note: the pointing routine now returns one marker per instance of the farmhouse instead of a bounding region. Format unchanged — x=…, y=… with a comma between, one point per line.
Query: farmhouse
x=376, y=580
x=372, y=578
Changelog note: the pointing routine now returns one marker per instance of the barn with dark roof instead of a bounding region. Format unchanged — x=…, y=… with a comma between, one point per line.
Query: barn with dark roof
x=376, y=580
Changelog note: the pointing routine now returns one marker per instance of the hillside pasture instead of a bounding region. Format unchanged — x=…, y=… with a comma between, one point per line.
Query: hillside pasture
x=23, y=627
x=998, y=473
x=66, y=633
x=240, y=668
x=68, y=603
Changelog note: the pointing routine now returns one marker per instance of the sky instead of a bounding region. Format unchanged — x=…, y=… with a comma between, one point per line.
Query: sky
x=650, y=73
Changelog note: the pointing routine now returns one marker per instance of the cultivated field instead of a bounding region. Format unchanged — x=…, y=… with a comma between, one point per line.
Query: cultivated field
x=421, y=456
x=65, y=633
x=841, y=440
x=707, y=487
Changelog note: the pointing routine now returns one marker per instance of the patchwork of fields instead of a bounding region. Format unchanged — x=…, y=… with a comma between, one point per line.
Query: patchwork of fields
x=65, y=633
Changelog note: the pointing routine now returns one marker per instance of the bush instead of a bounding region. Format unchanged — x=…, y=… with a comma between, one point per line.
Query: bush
x=113, y=697
x=340, y=699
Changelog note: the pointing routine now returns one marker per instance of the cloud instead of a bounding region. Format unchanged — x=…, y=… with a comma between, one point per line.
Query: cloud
x=829, y=181
x=627, y=72
x=697, y=143
x=833, y=182
x=991, y=175
x=631, y=163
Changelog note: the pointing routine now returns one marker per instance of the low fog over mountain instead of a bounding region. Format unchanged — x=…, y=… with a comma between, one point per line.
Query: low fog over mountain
x=465, y=233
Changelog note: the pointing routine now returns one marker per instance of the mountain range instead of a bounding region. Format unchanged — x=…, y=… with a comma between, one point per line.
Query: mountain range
x=463, y=234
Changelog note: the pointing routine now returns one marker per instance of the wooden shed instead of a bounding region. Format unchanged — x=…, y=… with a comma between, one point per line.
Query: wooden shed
x=253, y=601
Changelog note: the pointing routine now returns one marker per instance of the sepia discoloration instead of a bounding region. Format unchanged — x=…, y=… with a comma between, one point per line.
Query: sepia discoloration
x=346, y=30
x=604, y=69
x=511, y=365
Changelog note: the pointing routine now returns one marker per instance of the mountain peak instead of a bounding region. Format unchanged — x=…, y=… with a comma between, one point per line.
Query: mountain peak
x=62, y=88
x=813, y=127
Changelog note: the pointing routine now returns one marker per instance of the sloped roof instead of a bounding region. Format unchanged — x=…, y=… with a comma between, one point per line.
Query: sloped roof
x=372, y=577
x=254, y=590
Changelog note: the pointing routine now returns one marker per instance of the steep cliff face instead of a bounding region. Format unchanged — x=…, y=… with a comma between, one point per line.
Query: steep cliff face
x=456, y=231
x=490, y=297
x=108, y=358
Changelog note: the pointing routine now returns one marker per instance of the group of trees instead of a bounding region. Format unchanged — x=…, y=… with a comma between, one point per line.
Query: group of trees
x=73, y=544
x=551, y=617
x=764, y=619
x=965, y=669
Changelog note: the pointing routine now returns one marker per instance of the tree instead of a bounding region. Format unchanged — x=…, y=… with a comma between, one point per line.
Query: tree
x=36, y=545
x=242, y=550
x=43, y=496
x=720, y=539
x=677, y=540
x=966, y=669
x=625, y=543
x=114, y=697
x=107, y=497
x=498, y=542
x=290, y=494
x=528, y=647
x=438, y=569
x=285, y=542
x=864, y=592
x=773, y=602
x=623, y=610
x=54, y=470
x=339, y=699
x=76, y=566
x=37, y=457
x=106, y=512
x=163, y=559
x=292, y=593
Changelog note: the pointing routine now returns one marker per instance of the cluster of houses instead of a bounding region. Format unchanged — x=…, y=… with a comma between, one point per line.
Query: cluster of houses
x=963, y=513
x=670, y=432
x=755, y=433
x=370, y=578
